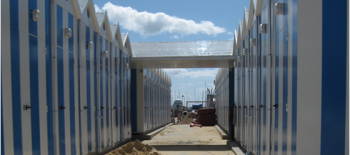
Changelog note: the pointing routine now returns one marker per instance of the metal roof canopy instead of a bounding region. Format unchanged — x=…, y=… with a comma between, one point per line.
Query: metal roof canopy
x=191, y=54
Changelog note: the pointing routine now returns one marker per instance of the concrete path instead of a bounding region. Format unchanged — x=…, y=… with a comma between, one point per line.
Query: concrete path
x=184, y=140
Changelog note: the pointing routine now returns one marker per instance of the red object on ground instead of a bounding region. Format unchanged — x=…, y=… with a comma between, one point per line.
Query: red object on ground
x=192, y=125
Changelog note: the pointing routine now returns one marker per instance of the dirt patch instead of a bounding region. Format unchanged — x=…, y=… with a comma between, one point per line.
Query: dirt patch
x=134, y=148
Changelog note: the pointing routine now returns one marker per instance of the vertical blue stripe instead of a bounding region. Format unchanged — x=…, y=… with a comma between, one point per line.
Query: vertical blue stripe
x=258, y=18
x=87, y=33
x=107, y=104
x=88, y=89
x=71, y=26
x=2, y=123
x=59, y=26
x=264, y=100
x=101, y=93
x=107, y=93
x=122, y=86
x=49, y=77
x=60, y=78
x=116, y=88
x=129, y=77
x=120, y=94
x=333, y=76
x=294, y=83
x=285, y=91
x=100, y=52
x=72, y=101
x=34, y=93
x=106, y=49
x=277, y=51
x=231, y=97
x=88, y=95
x=15, y=74
x=14, y=22
x=79, y=98
x=95, y=92
x=33, y=25
x=134, y=100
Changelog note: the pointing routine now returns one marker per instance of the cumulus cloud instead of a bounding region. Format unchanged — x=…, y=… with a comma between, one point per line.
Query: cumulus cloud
x=97, y=9
x=180, y=73
x=147, y=23
x=187, y=84
x=175, y=37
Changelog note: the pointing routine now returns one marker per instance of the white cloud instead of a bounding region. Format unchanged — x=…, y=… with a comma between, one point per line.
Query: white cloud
x=192, y=73
x=97, y=9
x=147, y=23
x=200, y=90
x=229, y=33
x=187, y=84
x=175, y=37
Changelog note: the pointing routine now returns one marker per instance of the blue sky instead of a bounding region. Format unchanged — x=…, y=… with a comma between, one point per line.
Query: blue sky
x=180, y=20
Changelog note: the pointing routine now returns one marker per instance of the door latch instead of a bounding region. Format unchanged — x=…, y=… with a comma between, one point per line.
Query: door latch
x=26, y=107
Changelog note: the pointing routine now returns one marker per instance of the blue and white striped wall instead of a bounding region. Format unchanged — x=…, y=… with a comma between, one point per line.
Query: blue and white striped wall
x=65, y=79
x=53, y=85
x=117, y=46
x=88, y=75
x=150, y=108
x=125, y=86
x=293, y=77
x=222, y=98
x=24, y=79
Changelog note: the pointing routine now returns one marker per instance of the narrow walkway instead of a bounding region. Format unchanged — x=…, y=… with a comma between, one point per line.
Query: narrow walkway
x=184, y=140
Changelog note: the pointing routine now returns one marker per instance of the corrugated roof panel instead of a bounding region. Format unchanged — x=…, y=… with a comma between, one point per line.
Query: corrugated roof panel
x=182, y=49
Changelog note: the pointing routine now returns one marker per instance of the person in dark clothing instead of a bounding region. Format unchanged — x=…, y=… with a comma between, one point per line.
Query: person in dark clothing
x=231, y=121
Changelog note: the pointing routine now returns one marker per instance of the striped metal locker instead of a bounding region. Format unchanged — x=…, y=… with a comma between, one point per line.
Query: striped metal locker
x=25, y=101
x=122, y=93
x=146, y=98
x=88, y=57
x=126, y=88
x=65, y=79
x=104, y=42
x=127, y=52
x=128, y=76
x=115, y=69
